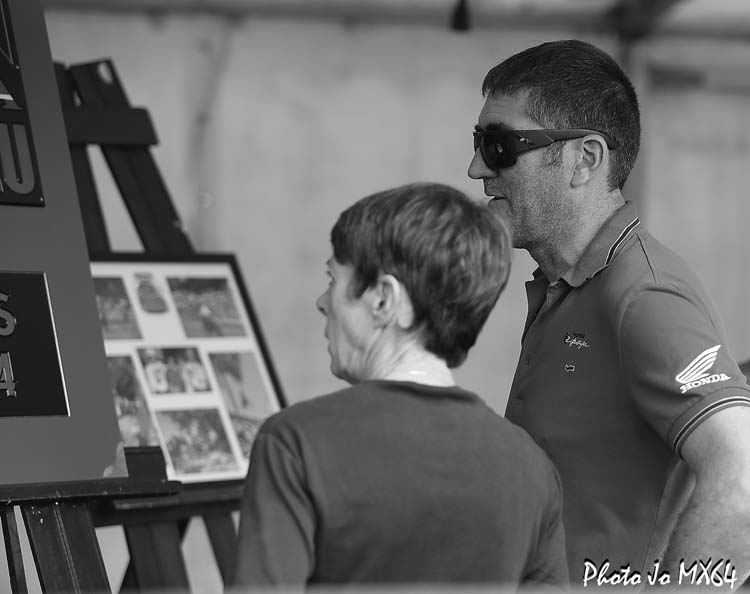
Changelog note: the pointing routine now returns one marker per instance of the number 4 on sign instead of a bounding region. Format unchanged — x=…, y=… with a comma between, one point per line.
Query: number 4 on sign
x=7, y=381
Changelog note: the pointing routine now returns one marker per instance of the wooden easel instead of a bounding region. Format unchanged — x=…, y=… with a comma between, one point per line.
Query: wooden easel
x=51, y=466
x=97, y=112
x=59, y=523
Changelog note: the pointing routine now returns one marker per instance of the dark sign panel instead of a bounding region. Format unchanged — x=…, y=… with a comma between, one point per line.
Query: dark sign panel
x=31, y=380
x=57, y=419
x=19, y=173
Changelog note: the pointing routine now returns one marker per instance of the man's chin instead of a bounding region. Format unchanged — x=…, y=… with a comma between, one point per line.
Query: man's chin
x=500, y=206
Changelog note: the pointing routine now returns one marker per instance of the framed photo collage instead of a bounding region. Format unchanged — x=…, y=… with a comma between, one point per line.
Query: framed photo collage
x=189, y=368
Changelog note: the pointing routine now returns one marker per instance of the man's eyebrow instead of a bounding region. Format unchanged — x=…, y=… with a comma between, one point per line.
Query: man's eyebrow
x=491, y=126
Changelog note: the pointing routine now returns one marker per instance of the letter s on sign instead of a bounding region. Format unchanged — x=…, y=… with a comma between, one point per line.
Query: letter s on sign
x=7, y=320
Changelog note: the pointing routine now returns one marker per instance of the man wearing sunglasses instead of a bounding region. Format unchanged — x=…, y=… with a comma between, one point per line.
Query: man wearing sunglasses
x=624, y=376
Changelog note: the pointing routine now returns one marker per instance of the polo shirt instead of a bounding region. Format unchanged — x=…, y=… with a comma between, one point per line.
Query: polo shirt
x=398, y=482
x=621, y=359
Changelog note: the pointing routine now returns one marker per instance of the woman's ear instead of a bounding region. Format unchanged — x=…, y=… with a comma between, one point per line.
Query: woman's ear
x=390, y=303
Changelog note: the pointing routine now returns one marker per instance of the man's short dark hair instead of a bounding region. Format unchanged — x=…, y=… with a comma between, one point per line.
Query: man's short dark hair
x=573, y=84
x=451, y=254
x=745, y=369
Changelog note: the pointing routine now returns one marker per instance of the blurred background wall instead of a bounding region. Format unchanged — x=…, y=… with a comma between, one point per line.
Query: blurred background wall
x=269, y=126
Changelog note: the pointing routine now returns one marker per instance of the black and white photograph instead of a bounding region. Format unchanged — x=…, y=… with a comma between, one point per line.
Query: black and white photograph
x=494, y=254
x=241, y=383
x=174, y=370
x=246, y=429
x=200, y=347
x=261, y=212
x=150, y=293
x=133, y=416
x=116, y=314
x=206, y=307
x=245, y=395
x=196, y=441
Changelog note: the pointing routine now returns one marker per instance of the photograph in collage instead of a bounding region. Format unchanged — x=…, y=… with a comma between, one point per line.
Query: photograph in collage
x=189, y=368
x=206, y=307
x=244, y=393
x=176, y=370
x=136, y=426
x=196, y=441
x=116, y=314
x=150, y=294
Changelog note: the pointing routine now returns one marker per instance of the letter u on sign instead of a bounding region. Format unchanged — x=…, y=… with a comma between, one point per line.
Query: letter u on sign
x=18, y=173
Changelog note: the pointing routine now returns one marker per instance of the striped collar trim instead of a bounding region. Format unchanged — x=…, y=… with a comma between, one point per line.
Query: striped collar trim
x=605, y=246
x=619, y=241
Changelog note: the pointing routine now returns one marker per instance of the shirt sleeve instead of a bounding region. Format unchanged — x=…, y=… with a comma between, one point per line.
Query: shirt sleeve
x=277, y=521
x=676, y=363
x=550, y=566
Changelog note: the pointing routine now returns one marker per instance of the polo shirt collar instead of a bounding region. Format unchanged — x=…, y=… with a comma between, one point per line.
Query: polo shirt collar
x=605, y=245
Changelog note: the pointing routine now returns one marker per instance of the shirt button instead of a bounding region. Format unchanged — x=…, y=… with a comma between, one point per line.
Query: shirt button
x=527, y=360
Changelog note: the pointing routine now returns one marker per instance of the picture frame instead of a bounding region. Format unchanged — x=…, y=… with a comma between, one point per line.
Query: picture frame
x=189, y=367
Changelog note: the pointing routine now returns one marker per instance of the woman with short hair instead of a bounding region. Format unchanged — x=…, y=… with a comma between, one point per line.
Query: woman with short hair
x=403, y=477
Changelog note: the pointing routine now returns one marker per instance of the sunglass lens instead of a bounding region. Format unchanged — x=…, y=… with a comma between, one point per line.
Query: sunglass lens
x=483, y=140
x=492, y=150
x=497, y=148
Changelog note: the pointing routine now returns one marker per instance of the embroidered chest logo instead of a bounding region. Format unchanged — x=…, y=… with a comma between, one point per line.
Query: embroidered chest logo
x=697, y=372
x=576, y=340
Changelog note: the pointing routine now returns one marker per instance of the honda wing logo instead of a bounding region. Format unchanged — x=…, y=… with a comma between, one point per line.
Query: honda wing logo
x=697, y=372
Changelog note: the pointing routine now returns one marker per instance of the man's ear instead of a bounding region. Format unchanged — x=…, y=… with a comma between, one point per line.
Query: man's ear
x=591, y=152
x=390, y=303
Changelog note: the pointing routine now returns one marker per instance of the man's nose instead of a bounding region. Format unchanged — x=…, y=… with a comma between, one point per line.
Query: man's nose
x=478, y=168
x=319, y=305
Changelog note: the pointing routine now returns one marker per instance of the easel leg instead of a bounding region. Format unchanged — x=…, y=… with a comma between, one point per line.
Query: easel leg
x=155, y=557
x=66, y=551
x=223, y=537
x=13, y=550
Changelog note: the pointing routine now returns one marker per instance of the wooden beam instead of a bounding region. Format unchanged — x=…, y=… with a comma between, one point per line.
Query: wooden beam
x=625, y=19
x=485, y=15
x=634, y=19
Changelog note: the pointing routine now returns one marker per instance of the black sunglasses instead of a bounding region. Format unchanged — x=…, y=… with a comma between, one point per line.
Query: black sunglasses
x=500, y=147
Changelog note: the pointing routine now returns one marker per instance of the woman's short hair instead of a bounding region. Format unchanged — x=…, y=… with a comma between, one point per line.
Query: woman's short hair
x=451, y=254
